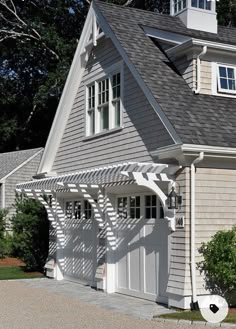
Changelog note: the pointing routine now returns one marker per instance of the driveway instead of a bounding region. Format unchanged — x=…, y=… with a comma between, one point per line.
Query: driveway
x=47, y=304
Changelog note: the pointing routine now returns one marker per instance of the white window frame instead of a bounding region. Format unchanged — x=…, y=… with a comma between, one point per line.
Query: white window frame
x=179, y=5
x=222, y=90
x=107, y=74
x=142, y=204
x=215, y=81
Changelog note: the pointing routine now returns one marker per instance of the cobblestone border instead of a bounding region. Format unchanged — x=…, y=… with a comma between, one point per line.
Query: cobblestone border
x=203, y=323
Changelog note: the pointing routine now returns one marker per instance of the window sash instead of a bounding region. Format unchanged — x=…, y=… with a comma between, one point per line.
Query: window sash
x=201, y=4
x=226, y=81
x=179, y=5
x=104, y=104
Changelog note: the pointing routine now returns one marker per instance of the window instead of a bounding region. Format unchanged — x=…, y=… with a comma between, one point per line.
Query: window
x=226, y=79
x=104, y=104
x=122, y=208
x=179, y=5
x=202, y=4
x=134, y=206
x=150, y=206
x=116, y=98
x=87, y=210
x=91, y=109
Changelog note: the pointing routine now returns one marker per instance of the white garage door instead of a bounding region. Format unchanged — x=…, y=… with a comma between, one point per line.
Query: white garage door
x=80, y=249
x=142, y=260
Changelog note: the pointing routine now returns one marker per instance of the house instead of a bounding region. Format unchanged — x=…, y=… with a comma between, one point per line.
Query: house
x=146, y=123
x=15, y=167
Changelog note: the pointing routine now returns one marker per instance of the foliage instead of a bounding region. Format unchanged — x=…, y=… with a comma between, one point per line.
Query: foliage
x=219, y=264
x=3, y=214
x=30, y=233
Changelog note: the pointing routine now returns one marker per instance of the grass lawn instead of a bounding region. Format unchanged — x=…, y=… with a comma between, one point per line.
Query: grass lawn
x=17, y=272
x=195, y=316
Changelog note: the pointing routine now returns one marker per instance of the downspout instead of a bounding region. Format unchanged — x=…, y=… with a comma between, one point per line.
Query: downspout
x=192, y=230
x=198, y=85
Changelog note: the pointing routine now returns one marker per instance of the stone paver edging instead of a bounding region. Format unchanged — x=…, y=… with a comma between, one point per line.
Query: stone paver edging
x=203, y=323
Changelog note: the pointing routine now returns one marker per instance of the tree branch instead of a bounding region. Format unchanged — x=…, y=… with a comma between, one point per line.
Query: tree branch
x=21, y=25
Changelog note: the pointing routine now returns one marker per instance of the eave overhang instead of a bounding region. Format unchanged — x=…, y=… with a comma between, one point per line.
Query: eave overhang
x=181, y=151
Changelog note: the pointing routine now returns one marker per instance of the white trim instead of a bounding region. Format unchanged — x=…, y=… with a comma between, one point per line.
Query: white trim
x=20, y=166
x=66, y=102
x=222, y=90
x=167, y=37
x=209, y=151
x=189, y=43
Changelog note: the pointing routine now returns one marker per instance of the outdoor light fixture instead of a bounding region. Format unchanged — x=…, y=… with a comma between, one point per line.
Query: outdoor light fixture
x=174, y=200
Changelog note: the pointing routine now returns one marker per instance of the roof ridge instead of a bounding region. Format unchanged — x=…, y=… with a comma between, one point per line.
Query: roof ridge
x=16, y=151
x=135, y=9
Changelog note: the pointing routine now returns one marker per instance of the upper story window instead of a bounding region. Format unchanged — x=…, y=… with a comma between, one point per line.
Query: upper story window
x=179, y=5
x=104, y=104
x=226, y=79
x=202, y=4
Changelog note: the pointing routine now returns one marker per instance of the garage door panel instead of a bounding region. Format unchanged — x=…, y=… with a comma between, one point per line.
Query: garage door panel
x=151, y=271
x=142, y=256
x=80, y=245
x=134, y=270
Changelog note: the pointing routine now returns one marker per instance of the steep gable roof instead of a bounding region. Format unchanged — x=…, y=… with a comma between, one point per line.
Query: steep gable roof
x=11, y=161
x=197, y=119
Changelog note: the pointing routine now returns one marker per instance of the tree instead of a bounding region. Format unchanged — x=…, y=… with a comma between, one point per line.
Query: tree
x=30, y=240
x=37, y=42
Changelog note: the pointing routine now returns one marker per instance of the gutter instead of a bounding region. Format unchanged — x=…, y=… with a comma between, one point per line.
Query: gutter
x=192, y=230
x=198, y=67
x=193, y=150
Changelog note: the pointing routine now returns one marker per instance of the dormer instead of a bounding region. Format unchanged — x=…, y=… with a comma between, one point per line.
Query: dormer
x=196, y=14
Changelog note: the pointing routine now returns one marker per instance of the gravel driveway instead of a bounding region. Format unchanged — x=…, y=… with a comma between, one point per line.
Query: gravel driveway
x=25, y=307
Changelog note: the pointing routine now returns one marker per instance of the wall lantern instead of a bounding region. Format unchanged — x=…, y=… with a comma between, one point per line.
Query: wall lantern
x=174, y=200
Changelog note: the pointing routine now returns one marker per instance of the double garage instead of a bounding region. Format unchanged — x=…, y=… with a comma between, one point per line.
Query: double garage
x=141, y=246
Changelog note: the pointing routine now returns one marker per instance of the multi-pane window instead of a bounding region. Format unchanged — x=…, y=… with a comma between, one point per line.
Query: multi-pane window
x=226, y=79
x=202, y=4
x=91, y=109
x=179, y=5
x=69, y=209
x=87, y=210
x=103, y=103
x=134, y=206
x=150, y=206
x=77, y=209
x=116, y=98
x=122, y=209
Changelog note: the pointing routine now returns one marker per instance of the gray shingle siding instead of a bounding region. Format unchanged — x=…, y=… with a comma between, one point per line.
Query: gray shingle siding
x=142, y=132
x=24, y=173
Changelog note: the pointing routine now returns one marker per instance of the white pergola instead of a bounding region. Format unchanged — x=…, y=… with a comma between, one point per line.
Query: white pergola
x=144, y=174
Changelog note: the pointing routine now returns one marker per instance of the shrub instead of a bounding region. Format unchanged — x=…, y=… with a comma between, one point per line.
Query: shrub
x=30, y=233
x=3, y=214
x=219, y=264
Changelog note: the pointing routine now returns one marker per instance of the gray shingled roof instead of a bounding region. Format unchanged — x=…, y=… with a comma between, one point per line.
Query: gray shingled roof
x=197, y=119
x=11, y=160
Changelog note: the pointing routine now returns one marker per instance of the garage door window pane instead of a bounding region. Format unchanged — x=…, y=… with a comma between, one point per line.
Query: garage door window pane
x=69, y=209
x=77, y=209
x=122, y=207
x=87, y=210
x=134, y=206
x=151, y=206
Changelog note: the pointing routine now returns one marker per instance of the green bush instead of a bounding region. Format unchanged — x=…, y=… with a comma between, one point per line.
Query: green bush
x=3, y=214
x=219, y=264
x=30, y=233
